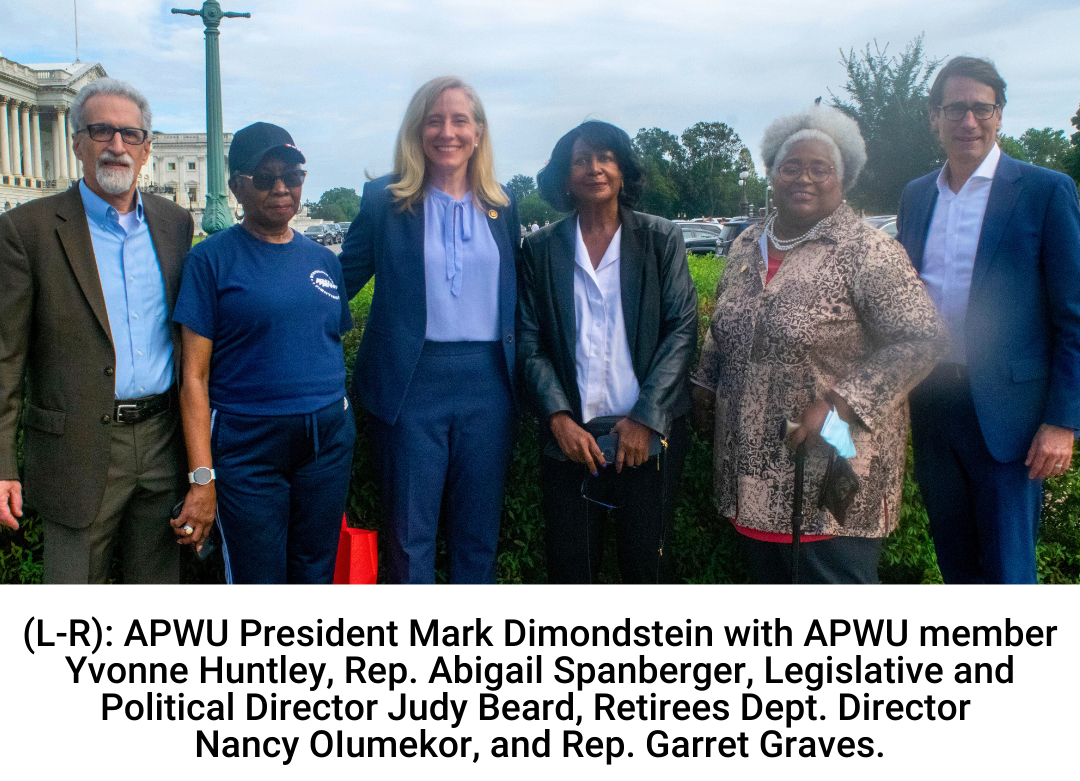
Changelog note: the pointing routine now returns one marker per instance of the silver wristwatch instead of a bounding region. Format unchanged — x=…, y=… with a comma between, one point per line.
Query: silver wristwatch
x=201, y=476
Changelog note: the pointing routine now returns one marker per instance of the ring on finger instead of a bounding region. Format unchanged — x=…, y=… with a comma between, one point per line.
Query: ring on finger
x=188, y=529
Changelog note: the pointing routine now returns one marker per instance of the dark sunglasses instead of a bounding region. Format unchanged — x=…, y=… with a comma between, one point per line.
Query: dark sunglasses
x=587, y=498
x=263, y=181
x=132, y=136
x=954, y=112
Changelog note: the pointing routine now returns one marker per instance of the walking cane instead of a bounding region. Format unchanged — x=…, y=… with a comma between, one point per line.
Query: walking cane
x=796, y=512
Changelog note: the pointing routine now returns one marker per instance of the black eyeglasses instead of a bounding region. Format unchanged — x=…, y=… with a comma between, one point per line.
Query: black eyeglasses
x=263, y=181
x=954, y=112
x=132, y=136
x=587, y=498
x=791, y=172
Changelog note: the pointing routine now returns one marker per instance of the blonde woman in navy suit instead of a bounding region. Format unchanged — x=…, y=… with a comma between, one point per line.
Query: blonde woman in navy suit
x=435, y=366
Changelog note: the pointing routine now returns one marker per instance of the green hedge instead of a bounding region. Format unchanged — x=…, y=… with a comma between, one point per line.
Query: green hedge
x=705, y=549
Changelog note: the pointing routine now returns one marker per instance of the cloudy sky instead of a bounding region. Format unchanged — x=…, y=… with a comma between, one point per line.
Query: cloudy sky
x=338, y=73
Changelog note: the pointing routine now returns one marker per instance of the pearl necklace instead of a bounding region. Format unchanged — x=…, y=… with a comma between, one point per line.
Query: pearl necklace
x=783, y=245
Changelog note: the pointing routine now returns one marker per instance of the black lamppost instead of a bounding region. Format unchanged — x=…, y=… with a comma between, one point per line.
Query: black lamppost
x=744, y=205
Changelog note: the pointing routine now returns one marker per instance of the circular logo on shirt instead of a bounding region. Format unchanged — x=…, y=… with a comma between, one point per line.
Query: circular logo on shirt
x=324, y=283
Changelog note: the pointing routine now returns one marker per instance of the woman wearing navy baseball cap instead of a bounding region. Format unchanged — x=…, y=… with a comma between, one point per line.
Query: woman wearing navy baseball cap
x=269, y=431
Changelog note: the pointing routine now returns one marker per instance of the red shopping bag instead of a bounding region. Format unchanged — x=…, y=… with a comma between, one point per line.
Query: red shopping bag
x=357, y=556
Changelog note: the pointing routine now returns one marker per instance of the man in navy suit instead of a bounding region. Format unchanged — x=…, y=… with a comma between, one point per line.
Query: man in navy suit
x=997, y=243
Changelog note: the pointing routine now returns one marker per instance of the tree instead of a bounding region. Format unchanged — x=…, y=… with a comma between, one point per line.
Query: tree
x=340, y=204
x=711, y=168
x=532, y=209
x=888, y=97
x=521, y=186
x=694, y=175
x=663, y=157
x=1072, y=159
x=1013, y=148
x=1046, y=147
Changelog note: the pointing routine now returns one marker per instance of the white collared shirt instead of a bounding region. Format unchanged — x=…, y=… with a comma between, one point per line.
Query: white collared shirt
x=605, y=371
x=951, y=244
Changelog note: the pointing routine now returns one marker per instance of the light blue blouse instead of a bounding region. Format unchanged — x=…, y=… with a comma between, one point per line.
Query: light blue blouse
x=461, y=270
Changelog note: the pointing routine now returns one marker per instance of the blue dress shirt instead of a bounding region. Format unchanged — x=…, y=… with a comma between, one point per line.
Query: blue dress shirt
x=134, y=293
x=461, y=271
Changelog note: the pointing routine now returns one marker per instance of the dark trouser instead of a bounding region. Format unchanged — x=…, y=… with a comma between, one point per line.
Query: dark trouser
x=146, y=477
x=453, y=435
x=281, y=488
x=644, y=500
x=984, y=514
x=839, y=560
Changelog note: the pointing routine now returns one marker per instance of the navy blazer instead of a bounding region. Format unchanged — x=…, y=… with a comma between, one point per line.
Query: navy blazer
x=1022, y=333
x=388, y=243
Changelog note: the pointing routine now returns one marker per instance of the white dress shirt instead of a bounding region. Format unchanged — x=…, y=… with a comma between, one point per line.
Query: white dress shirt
x=605, y=372
x=951, y=244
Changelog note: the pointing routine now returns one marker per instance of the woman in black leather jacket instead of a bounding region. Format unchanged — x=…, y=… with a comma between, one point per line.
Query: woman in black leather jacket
x=607, y=326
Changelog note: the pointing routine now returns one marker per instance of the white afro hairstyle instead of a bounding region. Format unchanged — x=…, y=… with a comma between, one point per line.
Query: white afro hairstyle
x=821, y=123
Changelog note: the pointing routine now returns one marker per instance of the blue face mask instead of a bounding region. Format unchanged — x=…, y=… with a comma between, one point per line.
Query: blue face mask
x=836, y=432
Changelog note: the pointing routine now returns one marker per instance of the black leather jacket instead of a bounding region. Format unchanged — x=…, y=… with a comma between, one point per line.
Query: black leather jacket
x=659, y=307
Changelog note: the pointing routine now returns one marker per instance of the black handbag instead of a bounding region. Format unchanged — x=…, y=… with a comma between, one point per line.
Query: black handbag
x=839, y=486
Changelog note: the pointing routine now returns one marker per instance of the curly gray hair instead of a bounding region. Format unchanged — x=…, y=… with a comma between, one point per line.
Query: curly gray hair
x=821, y=123
x=108, y=87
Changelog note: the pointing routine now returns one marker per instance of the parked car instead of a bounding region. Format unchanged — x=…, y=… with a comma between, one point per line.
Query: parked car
x=886, y=222
x=320, y=233
x=711, y=227
x=700, y=241
x=731, y=230
x=344, y=228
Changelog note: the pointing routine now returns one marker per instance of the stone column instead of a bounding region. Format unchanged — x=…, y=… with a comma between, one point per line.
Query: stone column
x=27, y=152
x=57, y=144
x=203, y=182
x=62, y=169
x=35, y=141
x=5, y=141
x=13, y=132
x=72, y=167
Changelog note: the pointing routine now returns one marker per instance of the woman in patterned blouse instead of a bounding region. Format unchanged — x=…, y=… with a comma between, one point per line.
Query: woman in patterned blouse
x=815, y=311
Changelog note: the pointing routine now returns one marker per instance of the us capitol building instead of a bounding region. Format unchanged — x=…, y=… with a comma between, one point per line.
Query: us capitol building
x=36, y=156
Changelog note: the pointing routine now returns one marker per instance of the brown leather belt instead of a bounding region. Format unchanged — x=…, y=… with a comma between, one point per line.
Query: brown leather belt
x=132, y=411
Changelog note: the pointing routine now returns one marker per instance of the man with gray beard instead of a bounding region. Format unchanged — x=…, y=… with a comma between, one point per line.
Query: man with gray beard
x=89, y=356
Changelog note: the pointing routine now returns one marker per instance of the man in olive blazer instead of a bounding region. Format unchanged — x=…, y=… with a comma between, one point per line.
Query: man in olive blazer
x=96, y=471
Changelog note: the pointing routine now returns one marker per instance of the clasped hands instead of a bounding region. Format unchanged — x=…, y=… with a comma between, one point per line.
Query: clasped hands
x=578, y=445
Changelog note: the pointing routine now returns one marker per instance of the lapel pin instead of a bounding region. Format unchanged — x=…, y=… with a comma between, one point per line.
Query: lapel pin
x=493, y=214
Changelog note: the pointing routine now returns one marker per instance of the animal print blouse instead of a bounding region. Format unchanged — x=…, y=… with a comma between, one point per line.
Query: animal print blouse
x=846, y=312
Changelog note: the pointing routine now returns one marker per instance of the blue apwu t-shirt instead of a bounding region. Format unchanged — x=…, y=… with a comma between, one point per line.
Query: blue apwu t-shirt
x=275, y=313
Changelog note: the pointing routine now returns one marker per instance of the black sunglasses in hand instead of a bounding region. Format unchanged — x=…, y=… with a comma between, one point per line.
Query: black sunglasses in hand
x=263, y=181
